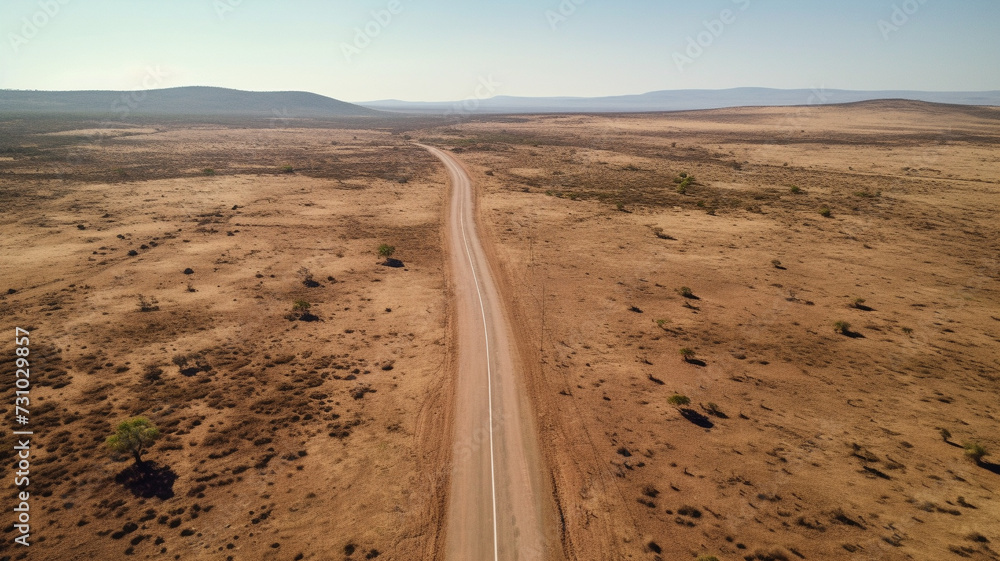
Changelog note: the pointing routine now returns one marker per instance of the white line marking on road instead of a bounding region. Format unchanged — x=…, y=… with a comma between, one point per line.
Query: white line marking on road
x=489, y=370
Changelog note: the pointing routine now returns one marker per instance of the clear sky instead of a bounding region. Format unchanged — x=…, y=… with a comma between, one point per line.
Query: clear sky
x=435, y=50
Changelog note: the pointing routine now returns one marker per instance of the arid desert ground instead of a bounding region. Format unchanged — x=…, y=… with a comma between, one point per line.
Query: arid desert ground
x=326, y=433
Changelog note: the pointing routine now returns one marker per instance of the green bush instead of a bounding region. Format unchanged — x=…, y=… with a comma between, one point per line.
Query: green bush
x=685, y=292
x=679, y=400
x=687, y=354
x=385, y=250
x=825, y=211
x=975, y=451
x=794, y=189
x=842, y=327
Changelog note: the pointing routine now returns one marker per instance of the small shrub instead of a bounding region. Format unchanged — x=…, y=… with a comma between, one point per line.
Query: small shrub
x=707, y=558
x=208, y=171
x=152, y=373
x=147, y=304
x=301, y=306
x=620, y=206
x=825, y=211
x=687, y=354
x=685, y=292
x=307, y=278
x=679, y=400
x=908, y=331
x=975, y=452
x=858, y=303
x=659, y=233
x=794, y=189
x=945, y=434
x=842, y=327
x=776, y=263
x=713, y=409
x=287, y=169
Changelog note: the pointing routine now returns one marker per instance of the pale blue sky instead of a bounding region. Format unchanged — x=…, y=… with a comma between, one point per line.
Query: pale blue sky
x=443, y=50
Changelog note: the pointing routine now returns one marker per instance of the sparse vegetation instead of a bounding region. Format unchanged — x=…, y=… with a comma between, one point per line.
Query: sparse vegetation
x=208, y=171
x=660, y=234
x=859, y=304
x=301, y=311
x=687, y=354
x=679, y=400
x=287, y=169
x=713, y=409
x=134, y=437
x=825, y=211
x=795, y=189
x=776, y=264
x=307, y=278
x=685, y=292
x=842, y=327
x=147, y=303
x=945, y=434
x=975, y=452
x=385, y=251
x=908, y=331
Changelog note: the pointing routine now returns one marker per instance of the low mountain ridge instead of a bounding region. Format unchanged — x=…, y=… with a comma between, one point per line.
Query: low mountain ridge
x=195, y=101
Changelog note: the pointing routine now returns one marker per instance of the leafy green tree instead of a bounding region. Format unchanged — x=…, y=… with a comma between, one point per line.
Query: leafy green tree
x=133, y=436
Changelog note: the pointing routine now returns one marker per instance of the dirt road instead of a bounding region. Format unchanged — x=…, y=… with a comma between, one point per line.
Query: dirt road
x=498, y=506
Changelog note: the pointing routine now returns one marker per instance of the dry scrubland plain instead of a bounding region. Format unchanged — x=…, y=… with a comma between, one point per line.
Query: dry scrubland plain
x=329, y=439
x=286, y=437
x=821, y=446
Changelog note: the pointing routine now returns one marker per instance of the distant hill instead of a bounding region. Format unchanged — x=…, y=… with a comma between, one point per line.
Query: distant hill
x=195, y=101
x=678, y=100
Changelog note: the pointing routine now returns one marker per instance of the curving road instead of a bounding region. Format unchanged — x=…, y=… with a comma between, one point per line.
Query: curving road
x=498, y=504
